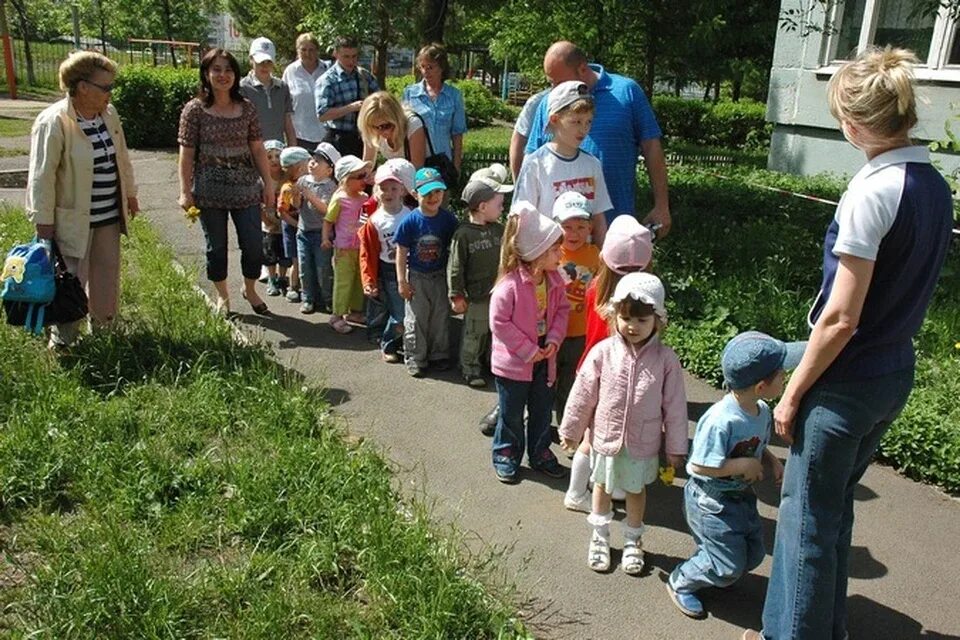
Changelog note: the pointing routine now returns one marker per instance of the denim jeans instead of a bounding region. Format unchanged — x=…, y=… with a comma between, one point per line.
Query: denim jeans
x=728, y=536
x=837, y=430
x=392, y=338
x=508, y=440
x=376, y=314
x=247, y=223
x=316, y=268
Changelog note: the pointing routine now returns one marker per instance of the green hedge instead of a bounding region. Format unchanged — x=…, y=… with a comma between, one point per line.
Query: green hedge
x=149, y=100
x=481, y=105
x=738, y=125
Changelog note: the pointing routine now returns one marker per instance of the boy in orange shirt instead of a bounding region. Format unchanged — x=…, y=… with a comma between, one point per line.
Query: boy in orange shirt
x=579, y=261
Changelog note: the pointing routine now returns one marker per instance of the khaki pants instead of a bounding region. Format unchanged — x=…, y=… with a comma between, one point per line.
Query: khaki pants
x=99, y=272
x=476, y=338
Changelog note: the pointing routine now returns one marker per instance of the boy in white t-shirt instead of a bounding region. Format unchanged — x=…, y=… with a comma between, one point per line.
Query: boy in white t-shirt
x=378, y=270
x=560, y=165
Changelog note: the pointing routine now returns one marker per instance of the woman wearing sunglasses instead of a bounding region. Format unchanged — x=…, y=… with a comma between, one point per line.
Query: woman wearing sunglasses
x=391, y=130
x=80, y=190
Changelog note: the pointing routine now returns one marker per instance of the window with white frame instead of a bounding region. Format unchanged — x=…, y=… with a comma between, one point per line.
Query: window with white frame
x=860, y=23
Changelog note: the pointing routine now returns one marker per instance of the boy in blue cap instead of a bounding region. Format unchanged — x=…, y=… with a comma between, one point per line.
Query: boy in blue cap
x=423, y=246
x=725, y=460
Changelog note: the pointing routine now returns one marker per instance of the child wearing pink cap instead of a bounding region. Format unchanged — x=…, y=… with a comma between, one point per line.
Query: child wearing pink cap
x=528, y=320
x=378, y=251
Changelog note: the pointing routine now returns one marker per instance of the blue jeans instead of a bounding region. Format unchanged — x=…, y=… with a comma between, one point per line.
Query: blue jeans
x=316, y=268
x=836, y=433
x=247, y=223
x=392, y=338
x=515, y=397
x=728, y=536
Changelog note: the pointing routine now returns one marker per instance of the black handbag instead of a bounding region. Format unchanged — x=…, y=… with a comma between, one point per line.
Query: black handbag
x=440, y=161
x=69, y=303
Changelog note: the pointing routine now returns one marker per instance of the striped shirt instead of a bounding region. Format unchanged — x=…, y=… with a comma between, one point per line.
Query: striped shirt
x=104, y=204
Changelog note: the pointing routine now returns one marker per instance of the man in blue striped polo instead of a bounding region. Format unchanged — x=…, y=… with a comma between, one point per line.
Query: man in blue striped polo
x=624, y=123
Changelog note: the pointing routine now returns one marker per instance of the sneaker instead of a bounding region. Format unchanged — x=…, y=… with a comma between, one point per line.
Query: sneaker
x=272, y=288
x=293, y=295
x=392, y=358
x=477, y=382
x=357, y=318
x=340, y=325
x=506, y=475
x=488, y=429
x=491, y=417
x=552, y=468
x=582, y=503
x=414, y=370
x=690, y=605
x=598, y=554
x=750, y=634
x=306, y=308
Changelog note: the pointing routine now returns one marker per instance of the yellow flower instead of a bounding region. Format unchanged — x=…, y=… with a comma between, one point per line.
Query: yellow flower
x=957, y=346
x=666, y=475
x=192, y=214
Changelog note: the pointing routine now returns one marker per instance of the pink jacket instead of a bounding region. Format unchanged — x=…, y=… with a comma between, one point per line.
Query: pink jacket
x=513, y=324
x=629, y=396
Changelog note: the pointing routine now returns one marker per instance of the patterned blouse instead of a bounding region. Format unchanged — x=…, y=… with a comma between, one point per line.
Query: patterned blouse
x=224, y=173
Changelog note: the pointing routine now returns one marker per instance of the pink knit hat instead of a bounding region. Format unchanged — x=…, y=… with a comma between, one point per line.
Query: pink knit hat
x=535, y=232
x=627, y=244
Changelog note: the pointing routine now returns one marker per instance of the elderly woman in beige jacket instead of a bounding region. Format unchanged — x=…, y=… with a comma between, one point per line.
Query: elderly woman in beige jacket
x=80, y=190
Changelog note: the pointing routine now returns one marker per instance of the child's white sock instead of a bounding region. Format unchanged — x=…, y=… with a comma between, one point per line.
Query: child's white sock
x=600, y=522
x=632, y=533
x=579, y=474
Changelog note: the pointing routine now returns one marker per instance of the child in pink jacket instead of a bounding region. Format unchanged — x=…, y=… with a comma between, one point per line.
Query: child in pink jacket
x=629, y=391
x=528, y=321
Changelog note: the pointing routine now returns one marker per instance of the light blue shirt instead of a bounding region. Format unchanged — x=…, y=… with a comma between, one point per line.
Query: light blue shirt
x=445, y=117
x=727, y=431
x=623, y=120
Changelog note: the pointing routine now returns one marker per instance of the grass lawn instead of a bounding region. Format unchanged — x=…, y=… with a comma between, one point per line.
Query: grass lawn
x=14, y=127
x=487, y=140
x=163, y=481
x=10, y=152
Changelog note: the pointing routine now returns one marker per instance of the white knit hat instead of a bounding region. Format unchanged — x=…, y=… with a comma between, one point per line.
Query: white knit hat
x=643, y=287
x=628, y=244
x=535, y=232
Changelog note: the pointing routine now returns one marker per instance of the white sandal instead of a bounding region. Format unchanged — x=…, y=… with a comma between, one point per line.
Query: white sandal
x=598, y=556
x=632, y=561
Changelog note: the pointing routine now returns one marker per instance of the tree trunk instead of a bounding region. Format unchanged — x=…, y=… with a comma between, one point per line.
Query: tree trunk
x=103, y=27
x=382, y=44
x=434, y=16
x=26, y=30
x=737, y=87
x=168, y=29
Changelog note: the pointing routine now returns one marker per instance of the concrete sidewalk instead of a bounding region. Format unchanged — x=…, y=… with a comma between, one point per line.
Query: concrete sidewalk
x=905, y=573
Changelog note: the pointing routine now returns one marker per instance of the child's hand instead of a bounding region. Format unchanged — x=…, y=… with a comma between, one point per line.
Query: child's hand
x=568, y=444
x=537, y=357
x=675, y=461
x=371, y=291
x=459, y=304
x=751, y=469
x=548, y=351
x=326, y=244
x=776, y=467
x=406, y=290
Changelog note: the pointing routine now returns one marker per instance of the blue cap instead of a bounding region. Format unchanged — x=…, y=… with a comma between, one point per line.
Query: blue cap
x=753, y=356
x=429, y=179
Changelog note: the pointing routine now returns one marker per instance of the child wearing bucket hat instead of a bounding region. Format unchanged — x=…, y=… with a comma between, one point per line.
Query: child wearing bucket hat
x=474, y=262
x=423, y=246
x=316, y=262
x=294, y=161
x=560, y=165
x=726, y=459
x=343, y=218
x=627, y=249
x=528, y=320
x=624, y=380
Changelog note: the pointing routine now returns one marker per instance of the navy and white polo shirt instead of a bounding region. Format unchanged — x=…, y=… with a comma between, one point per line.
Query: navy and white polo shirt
x=897, y=211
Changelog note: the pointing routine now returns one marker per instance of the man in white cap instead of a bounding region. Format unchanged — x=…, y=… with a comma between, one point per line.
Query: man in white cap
x=268, y=93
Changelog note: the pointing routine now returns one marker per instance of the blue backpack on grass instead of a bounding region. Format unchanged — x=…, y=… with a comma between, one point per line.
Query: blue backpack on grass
x=28, y=284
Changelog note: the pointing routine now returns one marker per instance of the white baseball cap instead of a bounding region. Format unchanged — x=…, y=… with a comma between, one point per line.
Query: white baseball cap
x=571, y=204
x=262, y=49
x=565, y=94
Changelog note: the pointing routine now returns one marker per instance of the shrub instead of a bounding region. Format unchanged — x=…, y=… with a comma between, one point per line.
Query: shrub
x=149, y=100
x=736, y=125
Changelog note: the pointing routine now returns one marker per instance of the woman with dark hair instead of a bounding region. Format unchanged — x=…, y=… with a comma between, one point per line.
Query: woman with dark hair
x=224, y=171
x=439, y=104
